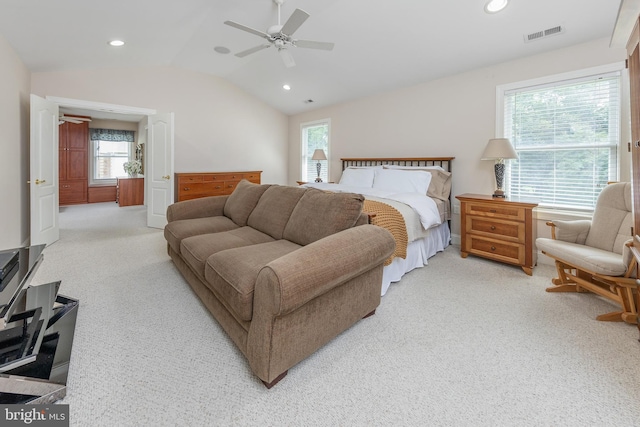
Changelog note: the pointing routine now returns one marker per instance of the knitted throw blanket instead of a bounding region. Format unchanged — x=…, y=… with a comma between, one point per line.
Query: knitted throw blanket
x=388, y=217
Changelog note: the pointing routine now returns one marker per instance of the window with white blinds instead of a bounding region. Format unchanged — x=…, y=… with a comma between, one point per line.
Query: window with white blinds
x=566, y=135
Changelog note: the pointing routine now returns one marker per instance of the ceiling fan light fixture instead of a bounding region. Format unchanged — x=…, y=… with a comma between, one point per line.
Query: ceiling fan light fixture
x=116, y=43
x=495, y=6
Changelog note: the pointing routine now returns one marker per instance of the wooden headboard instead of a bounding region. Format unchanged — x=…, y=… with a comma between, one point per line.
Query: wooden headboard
x=443, y=162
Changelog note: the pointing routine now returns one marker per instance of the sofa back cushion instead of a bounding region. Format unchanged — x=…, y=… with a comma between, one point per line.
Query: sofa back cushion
x=274, y=208
x=243, y=200
x=319, y=214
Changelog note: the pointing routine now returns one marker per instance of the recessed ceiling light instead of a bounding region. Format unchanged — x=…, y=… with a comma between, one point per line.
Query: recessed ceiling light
x=494, y=6
x=221, y=49
x=286, y=87
x=116, y=43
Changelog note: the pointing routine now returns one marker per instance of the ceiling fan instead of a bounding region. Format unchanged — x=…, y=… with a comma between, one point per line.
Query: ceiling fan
x=280, y=36
x=72, y=119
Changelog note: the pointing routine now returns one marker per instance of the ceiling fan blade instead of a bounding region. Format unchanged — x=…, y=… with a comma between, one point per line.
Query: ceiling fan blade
x=247, y=29
x=296, y=19
x=252, y=50
x=287, y=58
x=309, y=44
x=79, y=119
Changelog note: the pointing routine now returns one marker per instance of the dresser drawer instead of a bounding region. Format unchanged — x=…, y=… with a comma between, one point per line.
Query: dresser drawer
x=195, y=189
x=219, y=177
x=72, y=192
x=229, y=186
x=252, y=177
x=189, y=179
x=513, y=253
x=498, y=229
x=515, y=213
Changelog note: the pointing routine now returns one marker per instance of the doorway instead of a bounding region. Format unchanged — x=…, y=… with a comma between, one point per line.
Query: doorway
x=157, y=133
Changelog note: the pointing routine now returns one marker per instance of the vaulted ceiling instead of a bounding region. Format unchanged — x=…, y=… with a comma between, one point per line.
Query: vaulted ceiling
x=379, y=45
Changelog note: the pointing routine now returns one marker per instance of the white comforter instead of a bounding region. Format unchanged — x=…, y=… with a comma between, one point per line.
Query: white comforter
x=421, y=204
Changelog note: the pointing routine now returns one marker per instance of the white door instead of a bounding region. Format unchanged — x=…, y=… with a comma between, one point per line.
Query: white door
x=44, y=171
x=159, y=168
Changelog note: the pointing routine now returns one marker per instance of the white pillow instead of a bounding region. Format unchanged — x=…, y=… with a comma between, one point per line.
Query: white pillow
x=357, y=177
x=402, y=181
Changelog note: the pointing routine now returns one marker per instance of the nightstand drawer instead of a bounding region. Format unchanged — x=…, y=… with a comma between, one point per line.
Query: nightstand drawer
x=513, y=253
x=499, y=229
x=494, y=210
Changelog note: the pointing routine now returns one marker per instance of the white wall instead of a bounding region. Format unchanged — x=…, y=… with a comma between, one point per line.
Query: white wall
x=452, y=116
x=14, y=155
x=218, y=127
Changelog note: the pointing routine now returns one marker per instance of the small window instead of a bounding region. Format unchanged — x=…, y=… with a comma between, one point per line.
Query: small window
x=110, y=149
x=315, y=136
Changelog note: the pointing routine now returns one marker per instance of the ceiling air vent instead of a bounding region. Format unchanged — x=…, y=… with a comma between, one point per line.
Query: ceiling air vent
x=537, y=35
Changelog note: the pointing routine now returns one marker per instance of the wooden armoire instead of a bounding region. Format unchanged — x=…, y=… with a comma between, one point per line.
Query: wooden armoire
x=633, y=63
x=73, y=158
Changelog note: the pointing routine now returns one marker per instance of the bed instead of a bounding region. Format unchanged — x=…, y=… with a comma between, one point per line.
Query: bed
x=411, y=197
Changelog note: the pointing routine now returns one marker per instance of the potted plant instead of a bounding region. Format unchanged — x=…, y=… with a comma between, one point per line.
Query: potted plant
x=133, y=167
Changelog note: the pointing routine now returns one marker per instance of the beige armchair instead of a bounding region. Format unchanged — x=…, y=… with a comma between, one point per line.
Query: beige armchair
x=595, y=255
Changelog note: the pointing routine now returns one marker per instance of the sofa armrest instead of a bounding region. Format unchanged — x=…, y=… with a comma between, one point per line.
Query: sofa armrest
x=300, y=276
x=197, y=208
x=570, y=231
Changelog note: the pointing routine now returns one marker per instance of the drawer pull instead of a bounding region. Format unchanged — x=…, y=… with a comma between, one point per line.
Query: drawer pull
x=186, y=189
x=493, y=248
x=230, y=186
x=492, y=210
x=218, y=187
x=493, y=227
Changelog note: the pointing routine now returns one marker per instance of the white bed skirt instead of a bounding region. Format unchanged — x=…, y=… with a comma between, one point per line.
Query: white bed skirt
x=418, y=252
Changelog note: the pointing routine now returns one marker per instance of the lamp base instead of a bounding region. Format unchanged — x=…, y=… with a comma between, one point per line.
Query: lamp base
x=499, y=193
x=318, y=179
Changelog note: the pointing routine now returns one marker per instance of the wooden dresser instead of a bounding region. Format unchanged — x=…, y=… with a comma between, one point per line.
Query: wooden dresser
x=130, y=191
x=498, y=229
x=203, y=184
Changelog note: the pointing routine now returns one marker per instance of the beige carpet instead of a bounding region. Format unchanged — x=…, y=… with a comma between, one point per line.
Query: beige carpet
x=460, y=342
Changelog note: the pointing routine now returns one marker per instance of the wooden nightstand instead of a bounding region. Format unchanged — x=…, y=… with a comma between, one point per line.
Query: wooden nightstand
x=498, y=229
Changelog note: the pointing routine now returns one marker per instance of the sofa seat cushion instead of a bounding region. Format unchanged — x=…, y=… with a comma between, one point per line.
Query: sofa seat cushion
x=196, y=249
x=232, y=273
x=584, y=257
x=175, y=231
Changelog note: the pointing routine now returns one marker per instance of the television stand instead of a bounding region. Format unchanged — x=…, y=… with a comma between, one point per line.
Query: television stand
x=36, y=334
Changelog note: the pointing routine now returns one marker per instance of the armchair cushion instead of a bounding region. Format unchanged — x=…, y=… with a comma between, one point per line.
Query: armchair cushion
x=572, y=231
x=612, y=218
x=584, y=257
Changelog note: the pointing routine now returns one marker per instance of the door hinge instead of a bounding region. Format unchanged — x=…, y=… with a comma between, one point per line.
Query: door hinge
x=628, y=147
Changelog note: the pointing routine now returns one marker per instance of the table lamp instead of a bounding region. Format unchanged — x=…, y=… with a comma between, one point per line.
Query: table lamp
x=318, y=155
x=499, y=149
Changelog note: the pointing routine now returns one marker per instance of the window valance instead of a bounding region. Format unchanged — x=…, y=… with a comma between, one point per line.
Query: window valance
x=111, y=135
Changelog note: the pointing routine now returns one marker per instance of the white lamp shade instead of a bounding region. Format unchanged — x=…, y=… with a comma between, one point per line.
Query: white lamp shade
x=499, y=148
x=318, y=154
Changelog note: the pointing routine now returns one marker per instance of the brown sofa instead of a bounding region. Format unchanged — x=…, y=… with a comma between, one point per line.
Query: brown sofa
x=282, y=269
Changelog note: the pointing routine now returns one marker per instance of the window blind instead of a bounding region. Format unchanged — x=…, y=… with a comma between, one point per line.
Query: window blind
x=566, y=135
